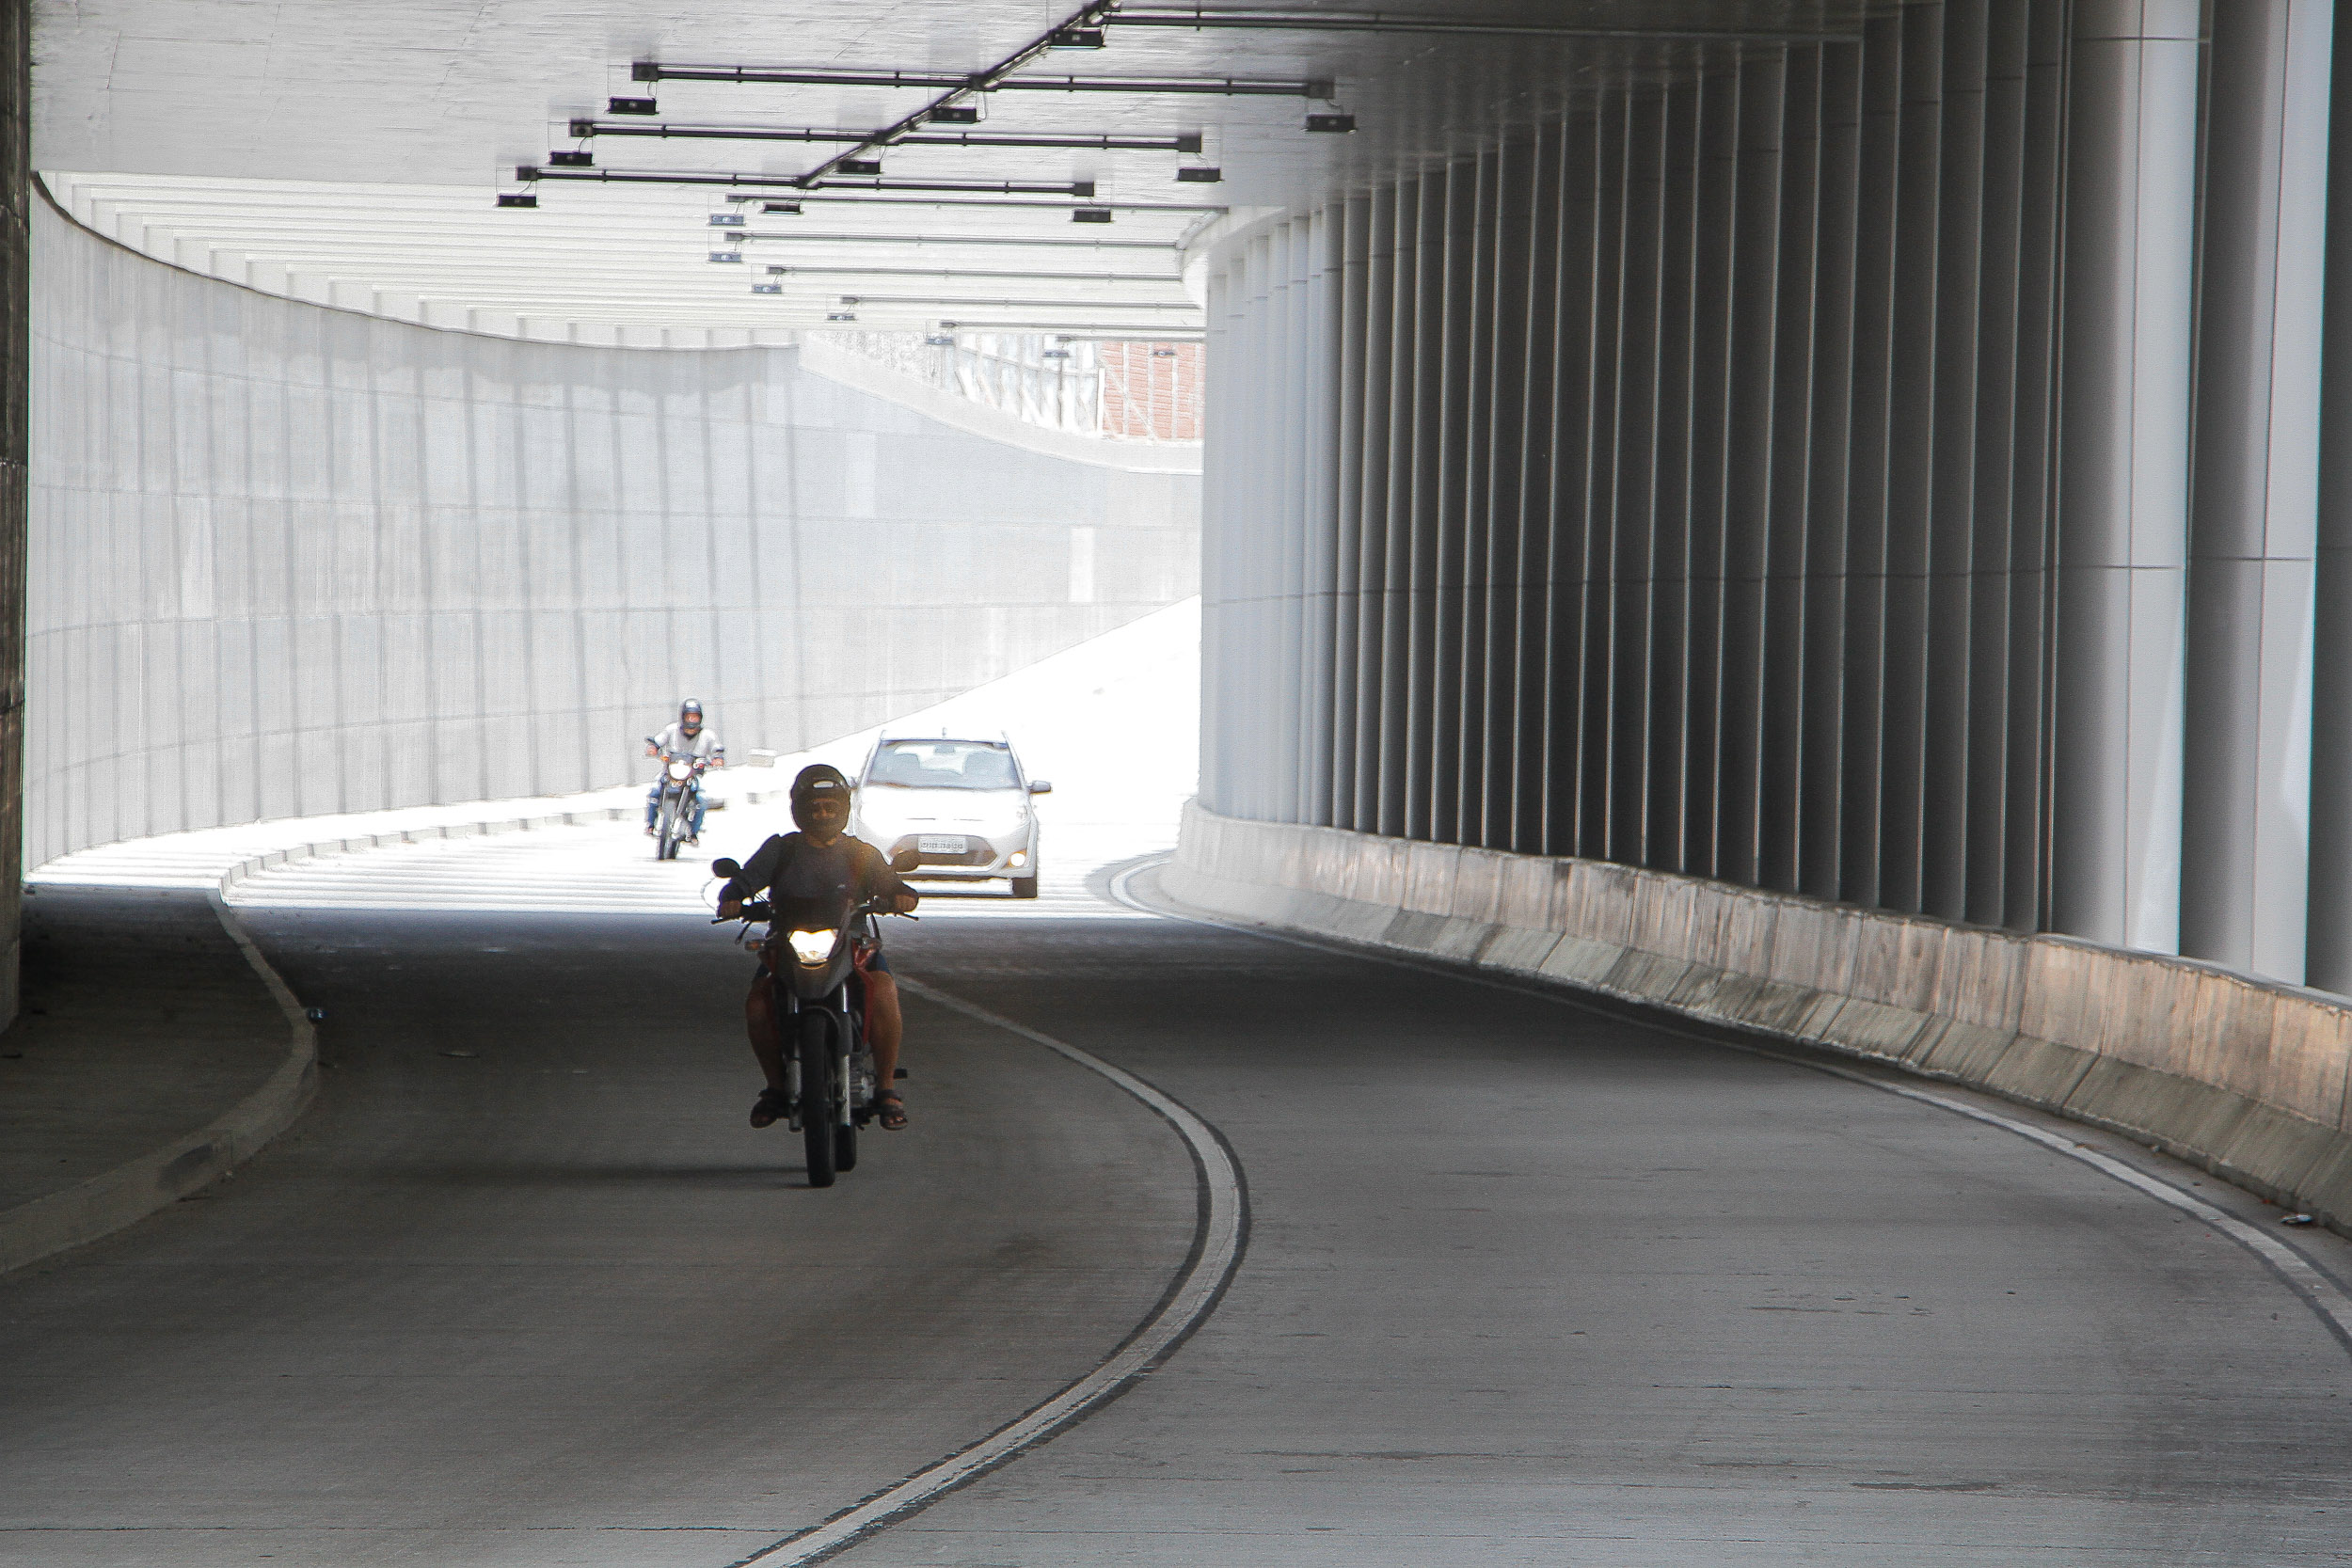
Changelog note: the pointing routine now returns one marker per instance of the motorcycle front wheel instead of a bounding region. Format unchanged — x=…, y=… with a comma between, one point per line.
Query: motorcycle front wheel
x=819, y=1110
x=665, y=847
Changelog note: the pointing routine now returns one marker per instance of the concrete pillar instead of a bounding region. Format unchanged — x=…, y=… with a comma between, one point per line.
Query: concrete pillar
x=1668, y=660
x=1503, y=672
x=2246, y=795
x=2124, y=479
x=1581, y=241
x=1398, y=579
x=1714, y=415
x=1821, y=820
x=1633, y=509
x=1755, y=242
x=2002, y=121
x=2033, y=540
x=2328, y=951
x=1876, y=324
x=1954, y=522
x=1780, y=758
x=1903, y=719
x=1350, y=255
x=16, y=195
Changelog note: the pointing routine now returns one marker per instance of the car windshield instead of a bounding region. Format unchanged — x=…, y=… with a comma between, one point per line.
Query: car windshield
x=943, y=765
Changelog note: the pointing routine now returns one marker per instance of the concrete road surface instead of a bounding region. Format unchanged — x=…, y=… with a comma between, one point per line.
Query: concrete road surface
x=1523, y=1285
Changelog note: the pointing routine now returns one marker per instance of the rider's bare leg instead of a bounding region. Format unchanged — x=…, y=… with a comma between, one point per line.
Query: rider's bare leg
x=883, y=1027
x=760, y=1021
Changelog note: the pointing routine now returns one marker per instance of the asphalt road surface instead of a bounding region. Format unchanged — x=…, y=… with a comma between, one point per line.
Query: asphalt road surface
x=1523, y=1284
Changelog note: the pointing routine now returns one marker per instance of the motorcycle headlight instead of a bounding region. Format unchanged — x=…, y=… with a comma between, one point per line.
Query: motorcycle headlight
x=679, y=771
x=812, y=948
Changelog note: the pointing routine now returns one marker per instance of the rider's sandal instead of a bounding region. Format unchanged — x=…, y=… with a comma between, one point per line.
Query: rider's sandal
x=770, y=1108
x=890, y=1111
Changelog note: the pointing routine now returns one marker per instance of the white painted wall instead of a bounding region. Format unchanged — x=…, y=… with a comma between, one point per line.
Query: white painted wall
x=288, y=559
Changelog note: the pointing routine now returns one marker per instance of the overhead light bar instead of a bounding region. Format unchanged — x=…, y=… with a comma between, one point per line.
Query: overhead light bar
x=749, y=237
x=1018, y=304
x=950, y=274
x=978, y=202
x=530, y=173
x=1396, y=22
x=947, y=81
x=1184, y=142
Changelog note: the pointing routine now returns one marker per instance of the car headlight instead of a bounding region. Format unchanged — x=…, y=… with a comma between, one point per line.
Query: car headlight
x=812, y=948
x=679, y=771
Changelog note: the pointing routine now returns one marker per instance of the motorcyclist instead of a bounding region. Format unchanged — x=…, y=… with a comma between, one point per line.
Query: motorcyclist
x=688, y=741
x=821, y=860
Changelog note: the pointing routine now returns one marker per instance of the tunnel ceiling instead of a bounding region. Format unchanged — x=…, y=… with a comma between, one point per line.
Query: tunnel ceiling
x=356, y=153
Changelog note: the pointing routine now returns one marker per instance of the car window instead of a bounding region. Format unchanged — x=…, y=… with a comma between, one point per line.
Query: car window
x=943, y=765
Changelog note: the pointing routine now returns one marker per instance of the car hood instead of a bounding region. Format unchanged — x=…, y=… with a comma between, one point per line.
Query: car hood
x=897, y=805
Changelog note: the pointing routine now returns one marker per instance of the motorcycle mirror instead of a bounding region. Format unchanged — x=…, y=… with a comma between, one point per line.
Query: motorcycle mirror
x=724, y=868
x=905, y=861
x=1039, y=786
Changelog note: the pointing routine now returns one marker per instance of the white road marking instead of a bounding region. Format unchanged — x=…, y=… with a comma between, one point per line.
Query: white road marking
x=2320, y=1291
x=1216, y=1253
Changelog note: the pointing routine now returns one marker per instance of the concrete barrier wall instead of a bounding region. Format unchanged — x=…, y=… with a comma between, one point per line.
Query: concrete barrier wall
x=2246, y=1076
x=288, y=559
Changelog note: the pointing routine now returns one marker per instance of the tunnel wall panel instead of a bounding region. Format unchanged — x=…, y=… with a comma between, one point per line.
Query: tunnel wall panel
x=289, y=560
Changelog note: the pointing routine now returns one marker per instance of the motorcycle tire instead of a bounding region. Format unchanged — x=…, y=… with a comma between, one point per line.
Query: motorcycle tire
x=818, y=1113
x=845, y=1148
x=665, y=847
x=1025, y=887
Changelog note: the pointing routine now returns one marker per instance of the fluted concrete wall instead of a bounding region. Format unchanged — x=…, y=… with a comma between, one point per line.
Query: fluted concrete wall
x=290, y=560
x=1895, y=470
x=2252, y=1079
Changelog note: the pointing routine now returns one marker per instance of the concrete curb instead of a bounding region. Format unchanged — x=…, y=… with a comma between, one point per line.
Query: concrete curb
x=130, y=1192
x=113, y=1199
x=2250, y=1079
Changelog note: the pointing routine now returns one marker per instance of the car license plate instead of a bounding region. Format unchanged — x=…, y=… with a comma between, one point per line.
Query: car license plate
x=940, y=843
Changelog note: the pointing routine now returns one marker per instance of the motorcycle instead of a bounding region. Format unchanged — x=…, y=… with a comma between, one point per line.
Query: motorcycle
x=828, y=1070
x=681, y=791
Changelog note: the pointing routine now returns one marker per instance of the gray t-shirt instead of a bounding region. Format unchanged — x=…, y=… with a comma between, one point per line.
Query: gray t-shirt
x=674, y=742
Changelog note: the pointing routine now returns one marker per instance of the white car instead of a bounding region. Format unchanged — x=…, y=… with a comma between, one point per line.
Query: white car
x=960, y=804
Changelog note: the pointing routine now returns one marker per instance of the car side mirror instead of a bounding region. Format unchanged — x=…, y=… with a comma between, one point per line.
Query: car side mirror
x=905, y=861
x=1039, y=786
x=725, y=867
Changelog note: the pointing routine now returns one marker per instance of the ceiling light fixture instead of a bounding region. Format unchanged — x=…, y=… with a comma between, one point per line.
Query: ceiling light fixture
x=858, y=166
x=1199, y=176
x=572, y=159
x=509, y=198
x=1090, y=214
x=945, y=81
x=1084, y=141
x=626, y=107
x=1335, y=124
x=1393, y=22
x=1075, y=38
x=954, y=113
x=767, y=288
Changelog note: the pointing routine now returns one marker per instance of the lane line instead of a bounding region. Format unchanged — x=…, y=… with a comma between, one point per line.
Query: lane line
x=2320, y=1291
x=1220, y=1236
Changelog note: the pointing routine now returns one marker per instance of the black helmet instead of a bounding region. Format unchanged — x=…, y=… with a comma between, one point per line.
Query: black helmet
x=689, y=714
x=819, y=780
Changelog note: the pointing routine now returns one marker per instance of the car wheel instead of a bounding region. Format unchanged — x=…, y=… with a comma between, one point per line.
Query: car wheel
x=1025, y=887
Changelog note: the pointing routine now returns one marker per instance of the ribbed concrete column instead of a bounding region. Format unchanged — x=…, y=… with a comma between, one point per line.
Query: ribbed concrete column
x=16, y=94
x=1397, y=580
x=1349, y=224
x=2246, y=791
x=1680, y=244
x=1820, y=823
x=2328, y=950
x=2124, y=479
